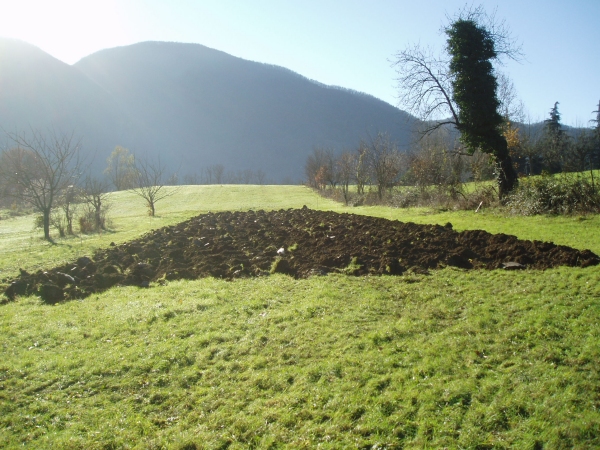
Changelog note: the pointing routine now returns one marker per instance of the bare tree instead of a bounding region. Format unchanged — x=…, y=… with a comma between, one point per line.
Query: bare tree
x=362, y=174
x=150, y=184
x=121, y=169
x=346, y=169
x=218, y=172
x=384, y=162
x=43, y=166
x=428, y=165
x=69, y=202
x=314, y=167
x=246, y=176
x=511, y=107
x=94, y=194
x=207, y=177
x=331, y=168
x=173, y=180
x=529, y=155
x=260, y=177
x=192, y=179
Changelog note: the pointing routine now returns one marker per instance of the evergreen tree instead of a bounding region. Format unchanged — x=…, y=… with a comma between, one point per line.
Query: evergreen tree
x=597, y=136
x=553, y=123
x=554, y=142
x=597, y=119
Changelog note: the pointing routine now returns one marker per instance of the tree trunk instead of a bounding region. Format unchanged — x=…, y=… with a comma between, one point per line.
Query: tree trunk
x=69, y=218
x=506, y=177
x=47, y=224
x=506, y=174
x=346, y=192
x=98, y=224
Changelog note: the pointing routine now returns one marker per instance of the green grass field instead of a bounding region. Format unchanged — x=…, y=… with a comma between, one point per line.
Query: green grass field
x=456, y=359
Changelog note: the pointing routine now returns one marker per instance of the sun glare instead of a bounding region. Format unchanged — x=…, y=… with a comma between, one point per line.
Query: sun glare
x=67, y=29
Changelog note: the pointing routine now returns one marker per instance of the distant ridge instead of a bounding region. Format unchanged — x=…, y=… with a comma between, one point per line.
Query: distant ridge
x=37, y=91
x=193, y=105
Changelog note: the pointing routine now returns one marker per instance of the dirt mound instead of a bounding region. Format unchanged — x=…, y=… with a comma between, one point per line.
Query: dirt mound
x=299, y=243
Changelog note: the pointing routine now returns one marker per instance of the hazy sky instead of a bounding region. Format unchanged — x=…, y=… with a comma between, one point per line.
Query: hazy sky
x=347, y=43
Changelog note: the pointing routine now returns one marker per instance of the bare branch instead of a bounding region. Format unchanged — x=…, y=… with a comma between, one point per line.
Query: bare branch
x=424, y=85
x=511, y=108
x=505, y=44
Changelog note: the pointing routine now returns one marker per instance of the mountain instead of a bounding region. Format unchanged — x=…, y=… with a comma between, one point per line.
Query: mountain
x=193, y=105
x=39, y=92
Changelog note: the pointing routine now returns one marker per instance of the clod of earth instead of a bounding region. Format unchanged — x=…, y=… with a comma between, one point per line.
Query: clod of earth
x=243, y=244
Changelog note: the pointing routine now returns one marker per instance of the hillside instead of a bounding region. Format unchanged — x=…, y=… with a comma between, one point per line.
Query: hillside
x=194, y=105
x=37, y=91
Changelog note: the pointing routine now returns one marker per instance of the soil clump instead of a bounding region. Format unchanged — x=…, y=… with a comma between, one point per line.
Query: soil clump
x=299, y=243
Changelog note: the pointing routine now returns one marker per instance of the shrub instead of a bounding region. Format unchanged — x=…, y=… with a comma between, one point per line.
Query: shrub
x=38, y=222
x=564, y=194
x=60, y=223
x=409, y=196
x=453, y=196
x=86, y=224
x=91, y=221
x=484, y=195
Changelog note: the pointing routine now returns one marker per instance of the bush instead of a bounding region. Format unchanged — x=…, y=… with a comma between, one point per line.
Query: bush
x=38, y=222
x=448, y=197
x=86, y=226
x=60, y=223
x=484, y=195
x=87, y=222
x=564, y=194
x=407, y=197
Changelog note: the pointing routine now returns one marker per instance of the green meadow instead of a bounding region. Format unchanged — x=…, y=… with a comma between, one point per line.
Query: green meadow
x=454, y=359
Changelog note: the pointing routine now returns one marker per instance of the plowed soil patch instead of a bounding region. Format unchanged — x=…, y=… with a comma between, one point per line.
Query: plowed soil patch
x=299, y=243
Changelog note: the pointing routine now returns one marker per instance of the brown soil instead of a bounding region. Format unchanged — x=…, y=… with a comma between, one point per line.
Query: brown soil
x=299, y=243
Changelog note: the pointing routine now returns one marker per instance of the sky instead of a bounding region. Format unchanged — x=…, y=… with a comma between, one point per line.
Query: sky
x=348, y=43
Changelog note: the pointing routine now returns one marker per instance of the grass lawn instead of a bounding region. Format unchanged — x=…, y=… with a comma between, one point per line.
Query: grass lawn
x=456, y=359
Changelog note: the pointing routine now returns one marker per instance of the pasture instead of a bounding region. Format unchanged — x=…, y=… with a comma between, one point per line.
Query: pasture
x=457, y=358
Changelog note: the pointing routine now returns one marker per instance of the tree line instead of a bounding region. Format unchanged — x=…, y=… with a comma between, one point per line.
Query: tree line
x=437, y=161
x=46, y=172
x=371, y=172
x=554, y=148
x=217, y=174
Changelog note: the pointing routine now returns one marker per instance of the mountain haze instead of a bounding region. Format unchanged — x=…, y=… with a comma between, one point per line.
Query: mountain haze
x=193, y=105
x=39, y=92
